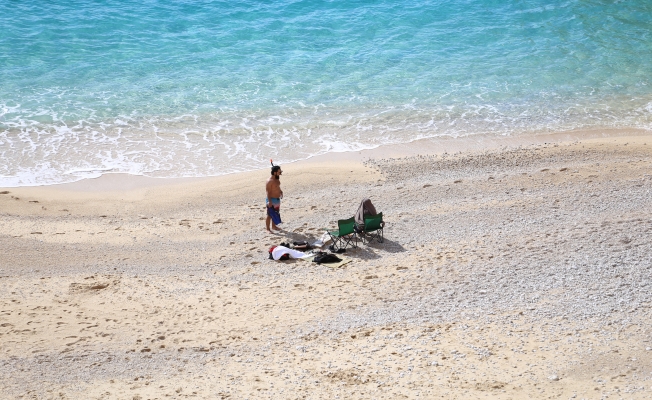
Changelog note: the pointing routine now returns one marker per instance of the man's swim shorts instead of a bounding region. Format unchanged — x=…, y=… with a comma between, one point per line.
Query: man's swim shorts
x=274, y=210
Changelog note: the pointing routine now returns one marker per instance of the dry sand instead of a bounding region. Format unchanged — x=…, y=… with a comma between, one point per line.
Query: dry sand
x=516, y=272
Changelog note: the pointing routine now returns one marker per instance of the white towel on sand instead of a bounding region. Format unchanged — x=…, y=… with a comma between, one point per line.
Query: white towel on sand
x=280, y=250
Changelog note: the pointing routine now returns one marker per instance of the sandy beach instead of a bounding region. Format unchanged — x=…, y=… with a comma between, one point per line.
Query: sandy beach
x=510, y=270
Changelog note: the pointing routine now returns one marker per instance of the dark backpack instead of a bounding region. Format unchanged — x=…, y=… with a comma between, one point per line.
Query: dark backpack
x=326, y=258
x=303, y=245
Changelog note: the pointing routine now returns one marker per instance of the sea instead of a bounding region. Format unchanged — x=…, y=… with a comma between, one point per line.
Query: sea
x=195, y=88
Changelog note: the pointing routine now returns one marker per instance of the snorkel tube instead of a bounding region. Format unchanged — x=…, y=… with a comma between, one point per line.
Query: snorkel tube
x=274, y=167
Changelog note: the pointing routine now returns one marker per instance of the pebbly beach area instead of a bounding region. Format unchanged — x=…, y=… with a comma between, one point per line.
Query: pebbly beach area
x=512, y=270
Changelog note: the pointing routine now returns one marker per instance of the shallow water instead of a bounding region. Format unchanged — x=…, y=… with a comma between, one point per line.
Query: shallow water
x=190, y=88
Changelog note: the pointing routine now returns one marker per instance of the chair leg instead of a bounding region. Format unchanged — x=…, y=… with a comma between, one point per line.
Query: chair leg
x=341, y=242
x=352, y=240
x=378, y=235
x=337, y=243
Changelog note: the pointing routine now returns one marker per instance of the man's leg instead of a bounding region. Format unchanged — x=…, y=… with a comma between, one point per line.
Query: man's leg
x=277, y=208
x=274, y=226
x=267, y=221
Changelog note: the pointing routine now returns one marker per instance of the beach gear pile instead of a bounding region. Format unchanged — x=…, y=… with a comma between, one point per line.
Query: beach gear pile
x=366, y=225
x=286, y=251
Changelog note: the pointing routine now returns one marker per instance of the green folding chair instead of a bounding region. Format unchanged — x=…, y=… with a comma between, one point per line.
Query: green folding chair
x=345, y=234
x=373, y=228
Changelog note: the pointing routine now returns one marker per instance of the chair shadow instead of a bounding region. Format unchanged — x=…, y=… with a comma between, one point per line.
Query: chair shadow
x=363, y=252
x=387, y=245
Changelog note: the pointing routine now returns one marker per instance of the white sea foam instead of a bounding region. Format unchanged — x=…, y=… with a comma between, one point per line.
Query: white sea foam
x=192, y=145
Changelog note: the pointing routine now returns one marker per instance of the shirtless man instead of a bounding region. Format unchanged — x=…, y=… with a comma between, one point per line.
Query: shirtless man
x=273, y=199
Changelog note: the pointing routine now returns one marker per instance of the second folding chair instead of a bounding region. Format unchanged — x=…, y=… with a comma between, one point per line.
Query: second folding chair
x=373, y=228
x=344, y=235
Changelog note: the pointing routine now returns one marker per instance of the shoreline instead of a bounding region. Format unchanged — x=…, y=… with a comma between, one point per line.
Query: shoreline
x=429, y=146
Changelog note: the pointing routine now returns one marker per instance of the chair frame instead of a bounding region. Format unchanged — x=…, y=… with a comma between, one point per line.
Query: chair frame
x=341, y=241
x=371, y=232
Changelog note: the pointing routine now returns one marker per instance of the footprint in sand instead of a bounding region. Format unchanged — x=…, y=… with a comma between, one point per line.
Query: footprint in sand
x=5, y=192
x=76, y=288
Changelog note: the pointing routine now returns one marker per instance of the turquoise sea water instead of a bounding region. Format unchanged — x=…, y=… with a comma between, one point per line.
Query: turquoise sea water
x=197, y=88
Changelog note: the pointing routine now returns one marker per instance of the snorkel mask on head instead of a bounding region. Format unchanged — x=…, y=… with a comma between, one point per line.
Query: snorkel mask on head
x=275, y=168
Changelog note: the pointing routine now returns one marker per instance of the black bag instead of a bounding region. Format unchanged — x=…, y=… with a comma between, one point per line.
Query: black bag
x=326, y=258
x=303, y=245
x=338, y=251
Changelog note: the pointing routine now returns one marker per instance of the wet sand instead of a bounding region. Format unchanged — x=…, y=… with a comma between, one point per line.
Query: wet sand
x=510, y=269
